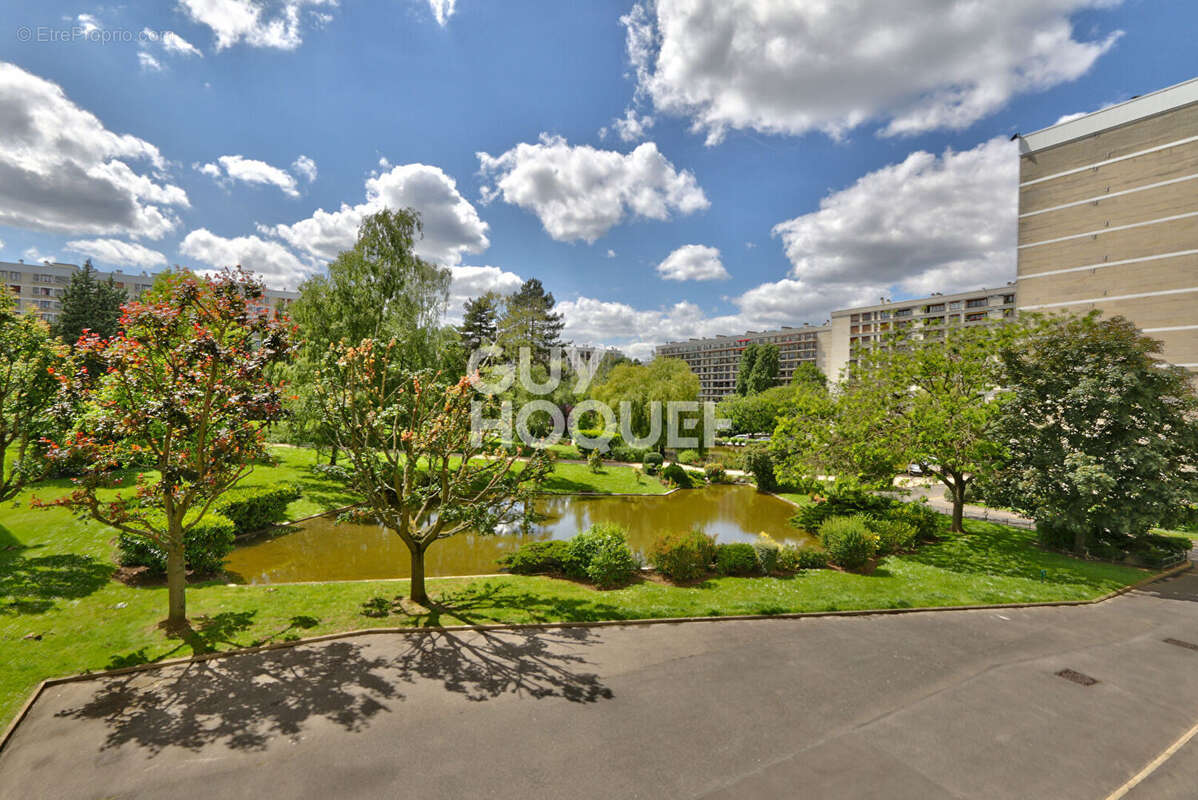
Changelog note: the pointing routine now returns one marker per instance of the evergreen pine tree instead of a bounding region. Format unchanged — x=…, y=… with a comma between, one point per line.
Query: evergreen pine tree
x=89, y=304
x=480, y=323
x=529, y=321
x=748, y=357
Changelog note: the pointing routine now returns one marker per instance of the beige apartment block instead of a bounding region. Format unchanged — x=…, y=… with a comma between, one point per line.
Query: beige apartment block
x=715, y=360
x=923, y=319
x=1108, y=217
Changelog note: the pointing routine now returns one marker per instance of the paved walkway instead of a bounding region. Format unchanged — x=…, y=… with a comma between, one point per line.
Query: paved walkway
x=925, y=705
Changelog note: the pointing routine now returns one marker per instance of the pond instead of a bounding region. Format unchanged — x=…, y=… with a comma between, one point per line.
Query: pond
x=324, y=550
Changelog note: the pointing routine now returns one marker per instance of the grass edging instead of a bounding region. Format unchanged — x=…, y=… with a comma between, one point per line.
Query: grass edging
x=517, y=626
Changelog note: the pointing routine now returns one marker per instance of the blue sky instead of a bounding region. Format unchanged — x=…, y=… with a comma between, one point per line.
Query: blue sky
x=772, y=161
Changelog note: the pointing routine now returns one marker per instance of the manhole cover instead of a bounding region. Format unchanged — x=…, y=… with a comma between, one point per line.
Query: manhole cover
x=1077, y=677
x=1180, y=643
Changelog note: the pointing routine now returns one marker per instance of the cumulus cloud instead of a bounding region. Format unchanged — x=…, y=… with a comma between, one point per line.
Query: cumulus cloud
x=631, y=127
x=306, y=167
x=452, y=226
x=442, y=10
x=693, y=262
x=249, y=170
x=257, y=23
x=114, y=251
x=61, y=170
x=580, y=193
x=278, y=265
x=793, y=67
x=148, y=63
x=470, y=282
x=927, y=223
x=88, y=23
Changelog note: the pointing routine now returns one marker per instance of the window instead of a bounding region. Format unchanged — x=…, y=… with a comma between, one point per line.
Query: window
x=41, y=278
x=977, y=302
x=934, y=308
x=14, y=276
x=903, y=312
x=976, y=316
x=1008, y=299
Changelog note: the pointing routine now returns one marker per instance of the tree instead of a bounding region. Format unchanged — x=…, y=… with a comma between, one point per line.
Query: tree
x=28, y=361
x=808, y=374
x=530, y=321
x=422, y=471
x=764, y=374
x=89, y=304
x=1102, y=437
x=744, y=368
x=378, y=289
x=759, y=413
x=479, y=324
x=642, y=387
x=187, y=388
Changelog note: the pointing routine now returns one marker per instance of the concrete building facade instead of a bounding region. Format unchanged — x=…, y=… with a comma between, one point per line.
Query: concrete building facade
x=926, y=318
x=39, y=287
x=715, y=360
x=1108, y=217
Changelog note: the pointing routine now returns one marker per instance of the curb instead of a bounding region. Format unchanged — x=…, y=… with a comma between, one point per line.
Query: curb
x=523, y=626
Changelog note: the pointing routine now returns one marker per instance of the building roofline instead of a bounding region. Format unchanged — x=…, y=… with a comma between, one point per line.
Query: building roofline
x=1137, y=108
x=935, y=298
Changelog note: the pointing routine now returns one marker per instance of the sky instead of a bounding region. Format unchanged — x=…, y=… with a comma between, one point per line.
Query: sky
x=671, y=169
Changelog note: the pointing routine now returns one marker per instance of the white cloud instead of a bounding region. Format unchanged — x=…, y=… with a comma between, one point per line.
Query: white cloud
x=442, y=10
x=927, y=223
x=114, y=251
x=610, y=253
x=790, y=67
x=257, y=23
x=175, y=44
x=631, y=127
x=33, y=256
x=470, y=282
x=88, y=23
x=148, y=63
x=580, y=192
x=693, y=262
x=249, y=170
x=279, y=266
x=61, y=170
x=452, y=226
x=306, y=167
x=1, y=244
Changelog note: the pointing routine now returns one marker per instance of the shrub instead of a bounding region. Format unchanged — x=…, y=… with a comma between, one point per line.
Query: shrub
x=733, y=460
x=254, y=508
x=205, y=546
x=601, y=555
x=629, y=455
x=652, y=462
x=336, y=472
x=736, y=558
x=537, y=558
x=1159, y=550
x=842, y=501
x=677, y=476
x=792, y=558
x=848, y=540
x=683, y=557
x=595, y=461
x=766, y=550
x=760, y=465
x=926, y=521
x=715, y=472
x=688, y=457
x=894, y=536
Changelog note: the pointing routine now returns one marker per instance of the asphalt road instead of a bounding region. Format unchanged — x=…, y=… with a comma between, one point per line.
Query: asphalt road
x=960, y=704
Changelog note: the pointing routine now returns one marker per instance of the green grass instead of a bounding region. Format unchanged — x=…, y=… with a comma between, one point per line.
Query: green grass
x=577, y=478
x=55, y=583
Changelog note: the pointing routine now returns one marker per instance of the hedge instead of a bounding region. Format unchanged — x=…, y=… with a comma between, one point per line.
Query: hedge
x=254, y=508
x=205, y=546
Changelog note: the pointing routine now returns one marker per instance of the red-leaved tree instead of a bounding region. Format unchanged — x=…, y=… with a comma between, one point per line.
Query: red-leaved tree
x=187, y=391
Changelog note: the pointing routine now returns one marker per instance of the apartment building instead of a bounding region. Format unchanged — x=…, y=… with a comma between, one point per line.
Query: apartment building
x=853, y=329
x=1108, y=217
x=715, y=360
x=39, y=287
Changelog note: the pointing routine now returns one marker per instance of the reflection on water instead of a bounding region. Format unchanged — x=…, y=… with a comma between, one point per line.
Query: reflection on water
x=322, y=550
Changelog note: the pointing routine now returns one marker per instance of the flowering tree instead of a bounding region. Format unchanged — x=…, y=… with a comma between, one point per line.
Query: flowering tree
x=28, y=358
x=423, y=473
x=187, y=392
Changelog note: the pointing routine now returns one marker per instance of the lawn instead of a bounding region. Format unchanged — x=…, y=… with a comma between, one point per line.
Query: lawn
x=578, y=478
x=61, y=613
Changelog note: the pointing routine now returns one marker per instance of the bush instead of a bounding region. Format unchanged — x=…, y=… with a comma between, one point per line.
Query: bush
x=714, y=472
x=688, y=457
x=595, y=462
x=255, y=508
x=848, y=540
x=677, y=476
x=792, y=558
x=652, y=462
x=736, y=558
x=842, y=501
x=537, y=558
x=683, y=557
x=205, y=546
x=600, y=554
x=926, y=521
x=766, y=550
x=894, y=536
x=629, y=455
x=760, y=465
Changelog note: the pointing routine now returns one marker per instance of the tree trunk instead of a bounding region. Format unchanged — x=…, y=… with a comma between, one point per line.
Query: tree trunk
x=1079, y=542
x=418, y=595
x=333, y=456
x=176, y=580
x=958, y=506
